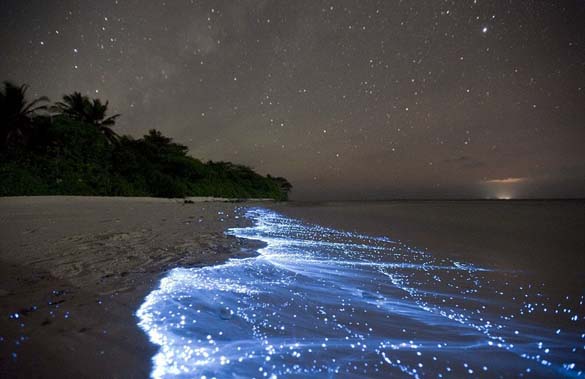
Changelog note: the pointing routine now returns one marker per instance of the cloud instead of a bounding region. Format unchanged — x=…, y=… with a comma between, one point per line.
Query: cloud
x=506, y=180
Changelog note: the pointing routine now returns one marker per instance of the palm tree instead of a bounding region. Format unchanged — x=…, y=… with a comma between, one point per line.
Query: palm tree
x=16, y=113
x=81, y=108
x=73, y=106
x=96, y=114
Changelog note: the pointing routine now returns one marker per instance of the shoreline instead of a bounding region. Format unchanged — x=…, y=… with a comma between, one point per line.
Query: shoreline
x=355, y=289
x=74, y=270
x=138, y=199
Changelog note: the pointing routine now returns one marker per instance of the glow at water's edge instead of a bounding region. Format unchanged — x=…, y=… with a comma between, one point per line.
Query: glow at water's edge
x=318, y=302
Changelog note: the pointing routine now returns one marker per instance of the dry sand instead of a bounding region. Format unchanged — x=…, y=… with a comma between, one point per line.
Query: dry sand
x=75, y=269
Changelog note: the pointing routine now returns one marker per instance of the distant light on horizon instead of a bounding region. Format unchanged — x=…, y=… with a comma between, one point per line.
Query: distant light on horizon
x=506, y=188
x=503, y=192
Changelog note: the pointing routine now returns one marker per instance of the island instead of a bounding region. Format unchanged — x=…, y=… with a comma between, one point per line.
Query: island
x=70, y=148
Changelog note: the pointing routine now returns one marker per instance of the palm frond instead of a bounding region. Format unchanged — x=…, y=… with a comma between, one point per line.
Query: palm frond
x=110, y=120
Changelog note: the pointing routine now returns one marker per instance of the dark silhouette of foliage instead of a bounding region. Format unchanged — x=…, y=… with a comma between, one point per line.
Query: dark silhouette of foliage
x=81, y=108
x=16, y=113
x=73, y=106
x=283, y=184
x=71, y=154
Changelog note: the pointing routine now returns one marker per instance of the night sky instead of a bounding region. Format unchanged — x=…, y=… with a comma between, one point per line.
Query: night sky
x=346, y=99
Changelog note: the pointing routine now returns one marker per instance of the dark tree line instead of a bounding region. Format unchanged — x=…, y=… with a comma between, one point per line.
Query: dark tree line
x=70, y=148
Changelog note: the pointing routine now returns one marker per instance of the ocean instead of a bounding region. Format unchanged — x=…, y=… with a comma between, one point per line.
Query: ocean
x=382, y=289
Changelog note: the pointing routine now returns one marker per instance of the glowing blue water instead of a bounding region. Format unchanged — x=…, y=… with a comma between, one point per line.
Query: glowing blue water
x=319, y=302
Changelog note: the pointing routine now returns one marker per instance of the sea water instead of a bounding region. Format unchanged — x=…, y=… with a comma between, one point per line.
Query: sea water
x=325, y=303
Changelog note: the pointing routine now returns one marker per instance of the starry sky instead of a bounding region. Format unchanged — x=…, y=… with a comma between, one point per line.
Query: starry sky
x=346, y=99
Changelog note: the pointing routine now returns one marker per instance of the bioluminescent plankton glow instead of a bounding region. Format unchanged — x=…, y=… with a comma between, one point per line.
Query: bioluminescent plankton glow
x=318, y=302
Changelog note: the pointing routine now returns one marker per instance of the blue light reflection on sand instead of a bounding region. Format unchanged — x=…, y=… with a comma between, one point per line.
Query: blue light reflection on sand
x=319, y=302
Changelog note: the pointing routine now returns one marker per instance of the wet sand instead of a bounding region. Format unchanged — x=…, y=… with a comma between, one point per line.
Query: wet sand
x=73, y=270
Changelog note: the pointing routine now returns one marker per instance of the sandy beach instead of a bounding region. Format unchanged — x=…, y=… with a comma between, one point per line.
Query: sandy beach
x=73, y=270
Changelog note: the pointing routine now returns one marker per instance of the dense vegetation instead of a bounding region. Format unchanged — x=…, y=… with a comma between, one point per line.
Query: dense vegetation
x=70, y=148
